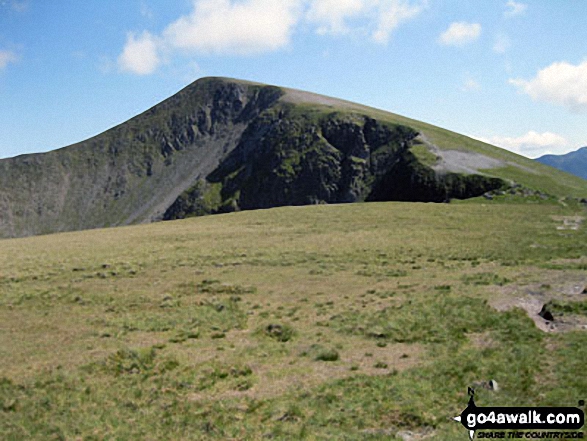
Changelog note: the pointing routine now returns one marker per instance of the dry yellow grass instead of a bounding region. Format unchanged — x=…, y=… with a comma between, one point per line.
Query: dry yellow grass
x=179, y=312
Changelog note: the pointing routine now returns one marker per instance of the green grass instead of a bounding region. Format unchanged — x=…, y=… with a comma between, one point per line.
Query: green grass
x=423, y=154
x=522, y=170
x=560, y=307
x=485, y=278
x=126, y=174
x=328, y=322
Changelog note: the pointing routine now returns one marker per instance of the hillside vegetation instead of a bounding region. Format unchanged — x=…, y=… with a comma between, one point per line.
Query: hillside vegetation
x=223, y=145
x=358, y=321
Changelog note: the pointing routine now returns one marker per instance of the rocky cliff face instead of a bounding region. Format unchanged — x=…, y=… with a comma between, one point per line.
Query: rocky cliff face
x=133, y=172
x=220, y=145
x=286, y=158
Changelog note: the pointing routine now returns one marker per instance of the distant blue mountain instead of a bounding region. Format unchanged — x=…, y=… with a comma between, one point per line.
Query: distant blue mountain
x=574, y=162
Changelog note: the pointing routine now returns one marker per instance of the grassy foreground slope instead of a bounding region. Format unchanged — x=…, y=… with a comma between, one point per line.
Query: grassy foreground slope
x=360, y=321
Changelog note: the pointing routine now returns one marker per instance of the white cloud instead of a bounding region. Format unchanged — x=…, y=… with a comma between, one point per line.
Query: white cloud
x=502, y=44
x=140, y=54
x=460, y=33
x=480, y=138
x=391, y=14
x=560, y=83
x=7, y=57
x=514, y=9
x=531, y=144
x=249, y=27
x=470, y=85
x=330, y=15
x=376, y=18
x=222, y=26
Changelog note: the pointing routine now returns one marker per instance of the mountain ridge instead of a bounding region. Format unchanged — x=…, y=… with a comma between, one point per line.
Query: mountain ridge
x=221, y=145
x=574, y=163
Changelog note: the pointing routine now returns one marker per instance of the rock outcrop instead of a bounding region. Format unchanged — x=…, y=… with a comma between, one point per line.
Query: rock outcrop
x=221, y=145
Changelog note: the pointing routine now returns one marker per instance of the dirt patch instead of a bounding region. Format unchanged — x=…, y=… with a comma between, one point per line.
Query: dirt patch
x=297, y=373
x=532, y=305
x=413, y=435
x=482, y=340
x=459, y=161
x=569, y=222
x=571, y=262
x=532, y=298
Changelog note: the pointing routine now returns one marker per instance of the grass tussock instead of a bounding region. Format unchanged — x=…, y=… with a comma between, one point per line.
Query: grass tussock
x=327, y=322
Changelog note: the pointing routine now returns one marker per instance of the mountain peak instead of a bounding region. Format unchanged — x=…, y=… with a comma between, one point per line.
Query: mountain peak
x=223, y=144
x=574, y=163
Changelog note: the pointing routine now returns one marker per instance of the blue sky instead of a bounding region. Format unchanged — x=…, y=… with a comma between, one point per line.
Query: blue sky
x=513, y=73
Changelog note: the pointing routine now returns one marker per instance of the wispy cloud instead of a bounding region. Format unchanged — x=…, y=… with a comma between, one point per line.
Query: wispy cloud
x=531, y=144
x=376, y=18
x=146, y=11
x=460, y=34
x=7, y=57
x=331, y=16
x=560, y=83
x=502, y=44
x=15, y=5
x=470, y=85
x=514, y=9
x=391, y=15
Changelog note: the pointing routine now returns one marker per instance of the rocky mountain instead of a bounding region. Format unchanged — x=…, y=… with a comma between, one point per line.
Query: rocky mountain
x=573, y=162
x=221, y=145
